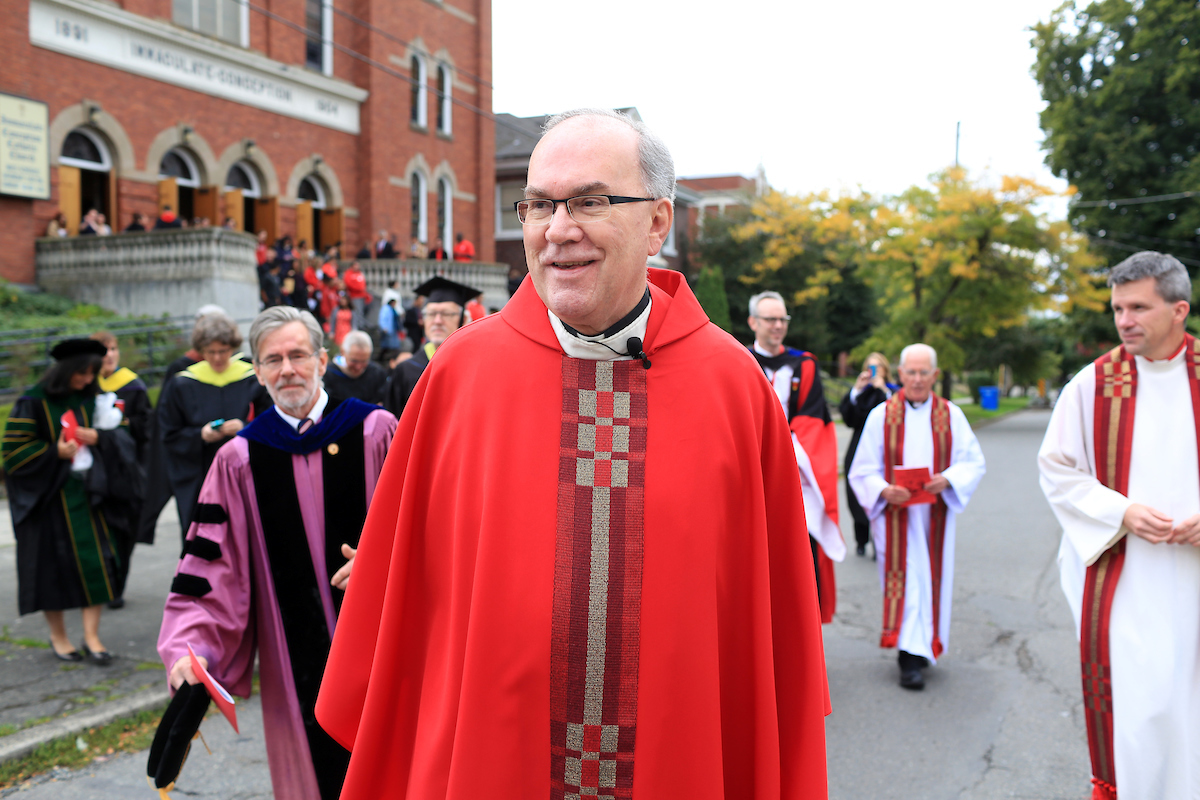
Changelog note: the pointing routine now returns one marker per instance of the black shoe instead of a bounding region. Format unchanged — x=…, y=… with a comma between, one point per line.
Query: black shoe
x=101, y=658
x=74, y=656
x=912, y=679
x=116, y=602
x=861, y=550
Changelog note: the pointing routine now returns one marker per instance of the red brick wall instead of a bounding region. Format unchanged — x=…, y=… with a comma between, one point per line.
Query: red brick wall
x=362, y=163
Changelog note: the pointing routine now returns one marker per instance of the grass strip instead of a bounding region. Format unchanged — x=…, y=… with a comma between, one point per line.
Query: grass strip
x=975, y=414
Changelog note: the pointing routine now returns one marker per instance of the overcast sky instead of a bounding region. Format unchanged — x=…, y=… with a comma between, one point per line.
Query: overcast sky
x=823, y=95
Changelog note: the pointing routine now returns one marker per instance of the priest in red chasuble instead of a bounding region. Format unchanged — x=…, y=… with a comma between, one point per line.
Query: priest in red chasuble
x=916, y=467
x=1119, y=468
x=586, y=571
x=796, y=379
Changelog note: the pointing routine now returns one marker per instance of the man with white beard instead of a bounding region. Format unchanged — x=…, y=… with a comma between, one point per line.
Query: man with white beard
x=269, y=553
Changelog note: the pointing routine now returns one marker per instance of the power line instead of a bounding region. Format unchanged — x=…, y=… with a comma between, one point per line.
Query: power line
x=1130, y=201
x=1132, y=248
x=1144, y=238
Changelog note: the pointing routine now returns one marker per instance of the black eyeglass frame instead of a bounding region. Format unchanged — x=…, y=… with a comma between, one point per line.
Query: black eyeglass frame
x=613, y=200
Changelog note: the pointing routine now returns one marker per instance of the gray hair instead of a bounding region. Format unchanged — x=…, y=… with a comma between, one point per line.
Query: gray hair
x=357, y=339
x=209, y=308
x=919, y=348
x=1170, y=277
x=275, y=317
x=758, y=298
x=215, y=328
x=654, y=159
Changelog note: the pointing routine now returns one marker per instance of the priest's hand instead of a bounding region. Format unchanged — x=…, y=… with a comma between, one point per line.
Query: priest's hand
x=1187, y=532
x=937, y=484
x=66, y=450
x=181, y=671
x=87, y=436
x=1152, y=525
x=342, y=576
x=231, y=427
x=896, y=494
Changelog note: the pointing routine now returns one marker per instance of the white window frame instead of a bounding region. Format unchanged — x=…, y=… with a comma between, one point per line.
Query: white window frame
x=326, y=36
x=194, y=181
x=318, y=185
x=668, y=245
x=243, y=34
x=422, y=79
x=502, y=233
x=105, y=164
x=447, y=126
x=251, y=171
x=422, y=189
x=448, y=228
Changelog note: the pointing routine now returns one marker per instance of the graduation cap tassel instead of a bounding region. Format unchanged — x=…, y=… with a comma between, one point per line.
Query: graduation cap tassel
x=200, y=736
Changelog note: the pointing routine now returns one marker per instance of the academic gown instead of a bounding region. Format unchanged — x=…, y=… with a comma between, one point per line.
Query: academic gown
x=439, y=679
x=68, y=526
x=196, y=397
x=404, y=380
x=128, y=387
x=255, y=578
x=370, y=387
x=1154, y=627
x=967, y=467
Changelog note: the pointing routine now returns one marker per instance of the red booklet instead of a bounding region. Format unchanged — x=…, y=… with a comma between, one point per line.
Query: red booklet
x=914, y=479
x=216, y=691
x=69, y=426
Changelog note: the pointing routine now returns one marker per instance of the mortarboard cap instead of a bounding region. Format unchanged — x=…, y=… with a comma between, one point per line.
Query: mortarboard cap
x=69, y=348
x=443, y=290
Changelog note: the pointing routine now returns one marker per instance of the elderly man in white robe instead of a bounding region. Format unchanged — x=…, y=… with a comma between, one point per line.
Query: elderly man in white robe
x=913, y=525
x=1119, y=467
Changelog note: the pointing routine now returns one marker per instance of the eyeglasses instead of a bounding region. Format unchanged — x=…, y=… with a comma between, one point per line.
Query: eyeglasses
x=436, y=314
x=274, y=362
x=585, y=208
x=916, y=373
x=216, y=352
x=775, y=320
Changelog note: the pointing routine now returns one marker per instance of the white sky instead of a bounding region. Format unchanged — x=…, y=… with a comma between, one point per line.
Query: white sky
x=824, y=95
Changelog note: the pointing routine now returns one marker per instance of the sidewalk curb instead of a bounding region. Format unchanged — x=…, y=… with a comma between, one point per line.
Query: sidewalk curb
x=22, y=743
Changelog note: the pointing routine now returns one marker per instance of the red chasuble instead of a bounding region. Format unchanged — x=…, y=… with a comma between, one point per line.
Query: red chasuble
x=895, y=570
x=587, y=576
x=1112, y=438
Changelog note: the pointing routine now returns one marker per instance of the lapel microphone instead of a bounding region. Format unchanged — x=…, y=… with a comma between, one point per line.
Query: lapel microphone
x=635, y=349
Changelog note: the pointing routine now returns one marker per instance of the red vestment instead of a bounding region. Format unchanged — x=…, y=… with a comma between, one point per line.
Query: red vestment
x=439, y=679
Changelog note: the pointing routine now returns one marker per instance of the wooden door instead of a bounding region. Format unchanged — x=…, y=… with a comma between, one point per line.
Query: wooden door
x=234, y=209
x=331, y=226
x=69, y=201
x=206, y=204
x=168, y=195
x=266, y=218
x=304, y=223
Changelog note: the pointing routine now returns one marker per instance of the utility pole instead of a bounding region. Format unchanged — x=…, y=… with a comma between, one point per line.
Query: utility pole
x=957, y=131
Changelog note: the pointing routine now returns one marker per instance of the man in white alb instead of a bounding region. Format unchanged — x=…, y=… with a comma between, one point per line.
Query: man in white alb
x=915, y=543
x=1120, y=457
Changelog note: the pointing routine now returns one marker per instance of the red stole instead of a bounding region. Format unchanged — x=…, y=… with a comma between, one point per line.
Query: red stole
x=896, y=555
x=1112, y=438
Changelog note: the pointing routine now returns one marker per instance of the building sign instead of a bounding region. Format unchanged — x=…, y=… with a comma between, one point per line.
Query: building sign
x=115, y=38
x=24, y=147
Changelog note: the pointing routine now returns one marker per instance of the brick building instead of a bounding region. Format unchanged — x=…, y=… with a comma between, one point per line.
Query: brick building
x=290, y=116
x=515, y=140
x=716, y=195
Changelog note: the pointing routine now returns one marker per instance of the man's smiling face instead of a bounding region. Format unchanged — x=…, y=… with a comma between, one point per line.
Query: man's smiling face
x=592, y=274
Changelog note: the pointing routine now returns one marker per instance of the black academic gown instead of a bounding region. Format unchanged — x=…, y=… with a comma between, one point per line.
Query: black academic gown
x=404, y=380
x=139, y=413
x=855, y=416
x=370, y=387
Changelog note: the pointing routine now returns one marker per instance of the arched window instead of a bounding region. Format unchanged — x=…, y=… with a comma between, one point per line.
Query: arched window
x=312, y=189
x=419, y=114
x=419, y=193
x=444, y=87
x=179, y=164
x=245, y=177
x=85, y=150
x=445, y=212
x=84, y=167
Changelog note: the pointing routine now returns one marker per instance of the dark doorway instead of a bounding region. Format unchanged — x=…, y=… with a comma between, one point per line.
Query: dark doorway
x=187, y=204
x=93, y=193
x=248, y=222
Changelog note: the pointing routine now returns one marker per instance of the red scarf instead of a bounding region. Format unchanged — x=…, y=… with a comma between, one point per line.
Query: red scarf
x=896, y=553
x=1112, y=438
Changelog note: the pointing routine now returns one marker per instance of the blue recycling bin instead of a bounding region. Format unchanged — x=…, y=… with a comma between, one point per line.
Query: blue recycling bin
x=989, y=398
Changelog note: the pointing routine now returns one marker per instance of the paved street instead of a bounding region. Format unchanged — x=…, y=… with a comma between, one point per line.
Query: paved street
x=1000, y=716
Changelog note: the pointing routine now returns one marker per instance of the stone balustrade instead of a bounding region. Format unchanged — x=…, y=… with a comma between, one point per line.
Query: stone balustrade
x=170, y=272
x=491, y=279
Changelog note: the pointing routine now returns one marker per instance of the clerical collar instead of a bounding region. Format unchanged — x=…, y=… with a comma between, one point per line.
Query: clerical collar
x=918, y=405
x=314, y=414
x=1171, y=357
x=608, y=345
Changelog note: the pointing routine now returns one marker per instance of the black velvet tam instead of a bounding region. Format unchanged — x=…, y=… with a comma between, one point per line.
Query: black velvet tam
x=173, y=739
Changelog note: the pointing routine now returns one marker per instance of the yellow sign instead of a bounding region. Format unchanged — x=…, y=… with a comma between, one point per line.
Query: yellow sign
x=24, y=147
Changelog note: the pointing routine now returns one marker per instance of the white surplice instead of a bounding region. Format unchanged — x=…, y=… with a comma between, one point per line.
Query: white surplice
x=820, y=526
x=964, y=473
x=1154, y=628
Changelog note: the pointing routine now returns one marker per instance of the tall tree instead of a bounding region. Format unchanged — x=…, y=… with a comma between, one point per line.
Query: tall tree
x=1121, y=82
x=956, y=263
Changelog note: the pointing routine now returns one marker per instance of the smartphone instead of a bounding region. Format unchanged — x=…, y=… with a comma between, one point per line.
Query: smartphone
x=873, y=367
x=216, y=424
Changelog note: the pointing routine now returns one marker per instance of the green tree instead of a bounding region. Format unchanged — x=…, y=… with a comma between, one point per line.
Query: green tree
x=1121, y=81
x=955, y=264
x=710, y=291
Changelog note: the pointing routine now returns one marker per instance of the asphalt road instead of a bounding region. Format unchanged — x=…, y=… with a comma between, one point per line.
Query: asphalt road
x=1000, y=716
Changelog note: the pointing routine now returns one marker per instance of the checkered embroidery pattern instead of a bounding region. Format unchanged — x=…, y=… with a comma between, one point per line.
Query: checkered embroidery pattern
x=595, y=629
